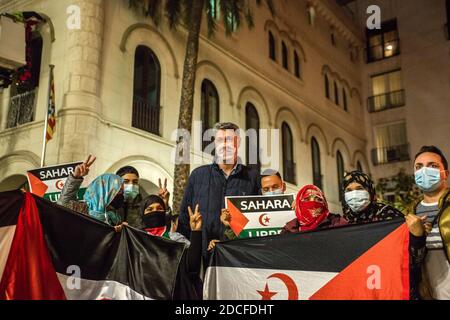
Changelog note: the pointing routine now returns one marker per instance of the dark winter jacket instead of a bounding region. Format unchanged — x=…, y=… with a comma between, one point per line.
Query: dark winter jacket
x=207, y=187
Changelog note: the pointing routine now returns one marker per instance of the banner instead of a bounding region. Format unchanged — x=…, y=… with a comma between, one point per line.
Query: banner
x=356, y=262
x=48, y=182
x=259, y=216
x=48, y=252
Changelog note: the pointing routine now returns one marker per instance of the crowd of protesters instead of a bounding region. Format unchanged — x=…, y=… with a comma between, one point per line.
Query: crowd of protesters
x=203, y=219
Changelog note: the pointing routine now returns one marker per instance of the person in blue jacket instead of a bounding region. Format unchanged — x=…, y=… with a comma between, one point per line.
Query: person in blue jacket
x=208, y=186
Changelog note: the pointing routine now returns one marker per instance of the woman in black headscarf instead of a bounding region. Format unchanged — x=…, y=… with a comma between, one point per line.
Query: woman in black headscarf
x=157, y=223
x=360, y=205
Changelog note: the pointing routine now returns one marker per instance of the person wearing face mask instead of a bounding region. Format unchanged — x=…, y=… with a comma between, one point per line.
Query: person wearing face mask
x=156, y=222
x=103, y=197
x=208, y=186
x=272, y=183
x=132, y=195
x=311, y=210
x=359, y=204
x=428, y=220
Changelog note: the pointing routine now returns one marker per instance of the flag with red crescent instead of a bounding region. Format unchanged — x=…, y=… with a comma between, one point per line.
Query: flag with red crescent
x=356, y=262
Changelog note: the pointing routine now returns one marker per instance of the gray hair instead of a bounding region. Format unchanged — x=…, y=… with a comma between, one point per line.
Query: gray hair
x=225, y=126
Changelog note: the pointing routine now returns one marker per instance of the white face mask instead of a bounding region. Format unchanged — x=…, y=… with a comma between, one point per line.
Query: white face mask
x=275, y=192
x=357, y=200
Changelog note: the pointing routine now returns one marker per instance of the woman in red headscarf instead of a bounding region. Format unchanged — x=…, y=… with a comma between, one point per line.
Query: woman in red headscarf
x=311, y=209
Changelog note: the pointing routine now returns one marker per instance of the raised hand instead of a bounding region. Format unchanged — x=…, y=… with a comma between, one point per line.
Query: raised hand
x=195, y=219
x=82, y=170
x=225, y=217
x=163, y=192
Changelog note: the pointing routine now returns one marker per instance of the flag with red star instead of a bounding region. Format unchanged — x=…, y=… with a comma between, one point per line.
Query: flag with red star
x=355, y=262
x=257, y=216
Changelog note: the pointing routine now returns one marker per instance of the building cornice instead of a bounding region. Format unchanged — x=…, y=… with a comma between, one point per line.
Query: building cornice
x=333, y=14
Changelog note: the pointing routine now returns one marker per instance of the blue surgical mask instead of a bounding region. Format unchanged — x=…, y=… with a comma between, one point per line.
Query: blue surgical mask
x=357, y=200
x=131, y=191
x=428, y=179
x=275, y=192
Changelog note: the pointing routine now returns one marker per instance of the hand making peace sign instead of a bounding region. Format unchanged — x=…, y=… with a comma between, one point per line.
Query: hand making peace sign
x=163, y=192
x=82, y=170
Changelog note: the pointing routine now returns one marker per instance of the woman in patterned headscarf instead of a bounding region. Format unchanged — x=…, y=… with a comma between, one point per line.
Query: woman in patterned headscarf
x=359, y=204
x=104, y=196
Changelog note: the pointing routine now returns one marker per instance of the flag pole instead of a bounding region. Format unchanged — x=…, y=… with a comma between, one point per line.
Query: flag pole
x=44, y=142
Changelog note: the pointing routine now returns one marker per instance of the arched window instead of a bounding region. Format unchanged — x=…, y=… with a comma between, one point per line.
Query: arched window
x=146, y=90
x=359, y=166
x=336, y=93
x=210, y=110
x=285, y=55
x=289, y=172
x=327, y=87
x=340, y=172
x=316, y=166
x=272, y=47
x=344, y=99
x=296, y=65
x=252, y=139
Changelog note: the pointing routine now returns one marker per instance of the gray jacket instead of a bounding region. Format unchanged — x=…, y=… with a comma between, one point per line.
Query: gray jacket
x=68, y=197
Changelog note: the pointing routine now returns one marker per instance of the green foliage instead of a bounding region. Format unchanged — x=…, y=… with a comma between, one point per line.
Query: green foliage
x=233, y=12
x=402, y=186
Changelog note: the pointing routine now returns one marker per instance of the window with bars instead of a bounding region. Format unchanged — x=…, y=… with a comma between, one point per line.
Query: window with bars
x=210, y=110
x=146, y=90
x=289, y=169
x=252, y=138
x=316, y=165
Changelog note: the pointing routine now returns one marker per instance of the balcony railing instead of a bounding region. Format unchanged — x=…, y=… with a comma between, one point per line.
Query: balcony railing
x=21, y=109
x=290, y=172
x=390, y=154
x=386, y=101
x=145, y=116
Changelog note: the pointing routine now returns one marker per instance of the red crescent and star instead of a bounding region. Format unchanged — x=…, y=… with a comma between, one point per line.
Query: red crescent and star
x=288, y=281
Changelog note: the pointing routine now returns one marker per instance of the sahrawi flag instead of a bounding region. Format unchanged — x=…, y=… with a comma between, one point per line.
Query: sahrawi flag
x=360, y=262
x=49, y=252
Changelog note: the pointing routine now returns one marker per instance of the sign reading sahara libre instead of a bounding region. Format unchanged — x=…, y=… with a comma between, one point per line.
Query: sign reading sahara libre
x=258, y=216
x=48, y=182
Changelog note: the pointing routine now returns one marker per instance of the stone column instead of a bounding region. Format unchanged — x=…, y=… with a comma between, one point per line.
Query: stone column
x=78, y=117
x=84, y=57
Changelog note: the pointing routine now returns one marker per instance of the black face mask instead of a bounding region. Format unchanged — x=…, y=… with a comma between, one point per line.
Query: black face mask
x=118, y=202
x=155, y=219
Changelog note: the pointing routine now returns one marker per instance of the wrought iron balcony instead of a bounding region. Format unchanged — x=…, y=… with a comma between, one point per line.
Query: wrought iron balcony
x=21, y=109
x=289, y=171
x=390, y=154
x=145, y=116
x=386, y=101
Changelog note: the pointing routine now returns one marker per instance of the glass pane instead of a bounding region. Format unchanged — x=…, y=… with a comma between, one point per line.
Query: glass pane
x=376, y=53
x=390, y=36
x=375, y=40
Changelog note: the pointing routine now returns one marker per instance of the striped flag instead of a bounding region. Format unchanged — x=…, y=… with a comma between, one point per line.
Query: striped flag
x=361, y=262
x=48, y=252
x=51, y=111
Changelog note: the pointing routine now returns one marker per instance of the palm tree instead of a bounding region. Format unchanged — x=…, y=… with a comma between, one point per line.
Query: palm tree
x=190, y=13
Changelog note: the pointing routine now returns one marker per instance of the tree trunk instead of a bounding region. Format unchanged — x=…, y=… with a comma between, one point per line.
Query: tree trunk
x=182, y=170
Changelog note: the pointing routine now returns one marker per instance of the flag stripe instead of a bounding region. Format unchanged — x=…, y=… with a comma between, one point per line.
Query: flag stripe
x=323, y=250
x=76, y=288
x=227, y=283
x=6, y=238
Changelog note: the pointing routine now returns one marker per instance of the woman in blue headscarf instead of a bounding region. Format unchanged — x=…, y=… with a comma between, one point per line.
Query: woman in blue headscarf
x=103, y=197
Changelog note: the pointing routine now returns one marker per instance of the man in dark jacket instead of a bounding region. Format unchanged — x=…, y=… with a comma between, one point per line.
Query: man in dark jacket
x=208, y=185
